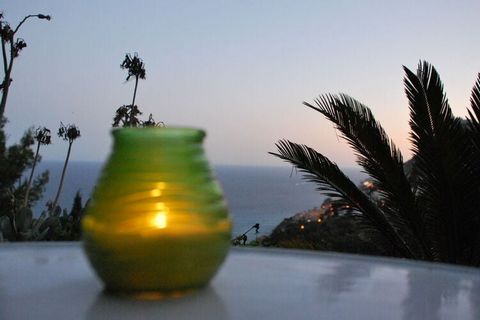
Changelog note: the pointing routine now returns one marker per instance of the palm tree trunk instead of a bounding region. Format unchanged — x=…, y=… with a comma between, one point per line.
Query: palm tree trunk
x=62, y=177
x=31, y=175
x=133, y=101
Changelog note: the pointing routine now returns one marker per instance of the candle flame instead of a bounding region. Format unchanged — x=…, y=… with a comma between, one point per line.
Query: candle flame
x=160, y=220
x=156, y=193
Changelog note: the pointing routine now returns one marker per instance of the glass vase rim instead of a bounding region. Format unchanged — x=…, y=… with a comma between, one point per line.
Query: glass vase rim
x=166, y=133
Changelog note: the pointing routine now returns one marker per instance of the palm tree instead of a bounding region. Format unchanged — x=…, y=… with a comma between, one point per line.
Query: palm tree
x=42, y=135
x=68, y=133
x=432, y=217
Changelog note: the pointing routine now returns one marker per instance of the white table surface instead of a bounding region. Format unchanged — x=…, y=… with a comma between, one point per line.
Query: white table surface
x=54, y=281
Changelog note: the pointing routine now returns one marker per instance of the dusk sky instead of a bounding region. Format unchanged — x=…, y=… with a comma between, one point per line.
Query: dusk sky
x=238, y=69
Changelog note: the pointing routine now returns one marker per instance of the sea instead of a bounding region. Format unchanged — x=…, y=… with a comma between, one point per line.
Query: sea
x=263, y=195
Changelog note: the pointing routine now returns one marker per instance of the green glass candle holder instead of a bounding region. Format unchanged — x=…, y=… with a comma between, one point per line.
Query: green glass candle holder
x=157, y=221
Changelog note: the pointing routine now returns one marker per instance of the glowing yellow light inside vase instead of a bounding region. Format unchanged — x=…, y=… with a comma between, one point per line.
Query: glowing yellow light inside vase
x=160, y=220
x=155, y=193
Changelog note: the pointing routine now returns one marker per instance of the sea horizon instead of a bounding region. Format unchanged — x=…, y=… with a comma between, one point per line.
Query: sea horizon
x=254, y=194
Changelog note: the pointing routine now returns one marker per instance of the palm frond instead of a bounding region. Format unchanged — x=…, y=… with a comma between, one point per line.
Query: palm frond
x=474, y=131
x=474, y=113
x=381, y=159
x=370, y=233
x=330, y=179
x=443, y=162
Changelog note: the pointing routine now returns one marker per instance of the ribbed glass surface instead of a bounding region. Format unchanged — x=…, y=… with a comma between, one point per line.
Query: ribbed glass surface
x=157, y=220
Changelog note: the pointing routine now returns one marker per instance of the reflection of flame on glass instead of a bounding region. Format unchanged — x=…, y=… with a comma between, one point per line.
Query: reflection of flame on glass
x=155, y=193
x=160, y=220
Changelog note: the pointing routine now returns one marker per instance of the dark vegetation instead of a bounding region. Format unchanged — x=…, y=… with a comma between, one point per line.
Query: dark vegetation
x=17, y=194
x=11, y=48
x=68, y=133
x=243, y=238
x=127, y=115
x=337, y=233
x=432, y=212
